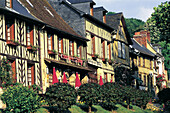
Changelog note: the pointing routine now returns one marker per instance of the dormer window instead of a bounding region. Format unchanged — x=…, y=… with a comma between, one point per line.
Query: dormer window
x=8, y=3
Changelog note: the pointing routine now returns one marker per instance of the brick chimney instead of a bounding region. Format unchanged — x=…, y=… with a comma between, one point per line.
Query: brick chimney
x=142, y=37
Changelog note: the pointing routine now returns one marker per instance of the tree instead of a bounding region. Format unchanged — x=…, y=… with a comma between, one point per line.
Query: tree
x=134, y=25
x=90, y=93
x=159, y=27
x=60, y=97
x=21, y=99
x=110, y=96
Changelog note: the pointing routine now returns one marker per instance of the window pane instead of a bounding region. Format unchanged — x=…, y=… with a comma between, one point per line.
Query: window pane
x=123, y=50
x=119, y=49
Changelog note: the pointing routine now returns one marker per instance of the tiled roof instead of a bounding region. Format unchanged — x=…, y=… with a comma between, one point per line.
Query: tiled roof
x=21, y=9
x=142, y=49
x=80, y=1
x=99, y=9
x=43, y=11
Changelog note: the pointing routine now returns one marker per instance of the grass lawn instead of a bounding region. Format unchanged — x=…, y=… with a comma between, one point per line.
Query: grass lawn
x=99, y=109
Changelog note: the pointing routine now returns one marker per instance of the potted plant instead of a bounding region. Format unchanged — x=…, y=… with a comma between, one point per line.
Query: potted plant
x=52, y=52
x=104, y=59
x=95, y=55
x=32, y=47
x=13, y=42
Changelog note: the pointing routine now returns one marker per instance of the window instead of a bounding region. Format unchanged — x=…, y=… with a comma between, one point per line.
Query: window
x=9, y=30
x=139, y=60
x=105, y=77
x=79, y=50
x=102, y=49
x=108, y=51
x=8, y=3
x=71, y=48
x=60, y=45
x=13, y=65
x=123, y=50
x=143, y=61
x=30, y=74
x=93, y=44
x=119, y=50
x=50, y=42
x=150, y=64
x=144, y=80
x=30, y=39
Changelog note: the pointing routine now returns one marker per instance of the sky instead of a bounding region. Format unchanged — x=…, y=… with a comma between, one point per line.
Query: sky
x=140, y=9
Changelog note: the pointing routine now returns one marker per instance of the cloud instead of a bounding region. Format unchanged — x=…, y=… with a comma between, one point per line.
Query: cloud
x=144, y=13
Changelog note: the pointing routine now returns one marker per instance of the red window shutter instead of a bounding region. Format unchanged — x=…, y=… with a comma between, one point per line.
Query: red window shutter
x=51, y=42
x=31, y=36
x=13, y=70
x=32, y=75
x=73, y=48
x=12, y=32
x=80, y=51
x=93, y=45
x=103, y=49
x=62, y=45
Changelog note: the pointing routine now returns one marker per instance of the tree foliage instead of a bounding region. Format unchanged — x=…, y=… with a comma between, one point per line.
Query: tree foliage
x=21, y=99
x=159, y=27
x=110, y=95
x=60, y=97
x=134, y=25
x=90, y=94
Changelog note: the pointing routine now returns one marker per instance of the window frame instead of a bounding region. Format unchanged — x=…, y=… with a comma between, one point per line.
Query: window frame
x=50, y=42
x=93, y=44
x=60, y=50
x=30, y=35
x=32, y=66
x=103, y=48
x=10, y=30
x=71, y=48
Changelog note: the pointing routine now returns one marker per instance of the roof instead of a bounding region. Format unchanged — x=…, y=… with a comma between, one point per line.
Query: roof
x=92, y=18
x=43, y=11
x=21, y=9
x=113, y=20
x=81, y=1
x=142, y=49
x=96, y=9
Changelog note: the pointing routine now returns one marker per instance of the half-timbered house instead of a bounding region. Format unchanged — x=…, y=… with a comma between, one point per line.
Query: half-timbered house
x=19, y=42
x=80, y=15
x=36, y=39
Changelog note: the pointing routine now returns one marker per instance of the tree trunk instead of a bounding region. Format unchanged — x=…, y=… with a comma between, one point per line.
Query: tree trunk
x=141, y=107
x=89, y=109
x=128, y=106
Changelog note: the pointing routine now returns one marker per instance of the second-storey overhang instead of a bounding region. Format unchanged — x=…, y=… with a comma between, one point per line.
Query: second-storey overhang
x=12, y=13
x=68, y=64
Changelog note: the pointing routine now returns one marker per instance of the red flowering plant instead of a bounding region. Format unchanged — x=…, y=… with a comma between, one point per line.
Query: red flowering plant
x=159, y=80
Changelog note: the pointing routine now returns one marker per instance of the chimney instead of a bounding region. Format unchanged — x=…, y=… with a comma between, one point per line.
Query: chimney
x=91, y=9
x=104, y=18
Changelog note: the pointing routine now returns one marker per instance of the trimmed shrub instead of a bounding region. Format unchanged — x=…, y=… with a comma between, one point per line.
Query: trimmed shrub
x=21, y=99
x=60, y=97
x=142, y=98
x=110, y=96
x=90, y=94
x=164, y=95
